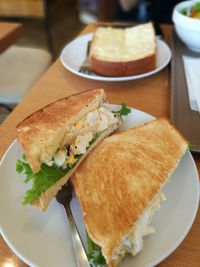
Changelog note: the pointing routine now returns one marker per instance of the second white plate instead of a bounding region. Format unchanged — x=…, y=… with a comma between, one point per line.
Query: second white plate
x=74, y=53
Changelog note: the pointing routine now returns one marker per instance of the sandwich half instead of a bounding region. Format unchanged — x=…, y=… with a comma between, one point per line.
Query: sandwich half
x=119, y=187
x=123, y=52
x=56, y=138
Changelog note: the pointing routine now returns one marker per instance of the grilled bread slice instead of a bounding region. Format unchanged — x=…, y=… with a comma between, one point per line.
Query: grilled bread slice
x=62, y=134
x=119, y=185
x=43, y=132
x=123, y=52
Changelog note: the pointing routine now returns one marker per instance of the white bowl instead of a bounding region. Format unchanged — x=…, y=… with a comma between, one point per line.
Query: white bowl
x=188, y=29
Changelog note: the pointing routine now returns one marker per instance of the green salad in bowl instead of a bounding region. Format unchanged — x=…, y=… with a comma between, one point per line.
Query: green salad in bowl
x=192, y=11
x=186, y=19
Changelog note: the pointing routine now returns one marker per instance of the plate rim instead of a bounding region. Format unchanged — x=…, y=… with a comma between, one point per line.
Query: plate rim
x=192, y=219
x=114, y=79
x=151, y=264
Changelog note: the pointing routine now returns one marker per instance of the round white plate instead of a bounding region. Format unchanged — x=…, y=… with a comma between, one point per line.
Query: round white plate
x=44, y=239
x=73, y=55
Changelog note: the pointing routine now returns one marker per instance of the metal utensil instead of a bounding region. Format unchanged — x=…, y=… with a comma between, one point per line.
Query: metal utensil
x=85, y=66
x=64, y=197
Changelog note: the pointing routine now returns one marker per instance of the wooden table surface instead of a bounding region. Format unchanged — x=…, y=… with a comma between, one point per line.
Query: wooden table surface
x=151, y=95
x=9, y=33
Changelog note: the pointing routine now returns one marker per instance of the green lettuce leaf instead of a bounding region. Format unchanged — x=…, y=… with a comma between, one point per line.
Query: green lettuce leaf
x=184, y=11
x=95, y=256
x=42, y=180
x=196, y=7
x=190, y=146
x=46, y=177
x=123, y=111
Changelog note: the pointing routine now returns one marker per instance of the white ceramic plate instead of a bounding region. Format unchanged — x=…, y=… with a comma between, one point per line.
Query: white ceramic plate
x=45, y=239
x=73, y=55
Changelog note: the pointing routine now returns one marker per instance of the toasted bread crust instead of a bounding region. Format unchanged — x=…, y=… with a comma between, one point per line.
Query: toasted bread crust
x=112, y=69
x=121, y=176
x=42, y=133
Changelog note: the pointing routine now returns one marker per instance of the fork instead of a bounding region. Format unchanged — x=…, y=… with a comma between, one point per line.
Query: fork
x=85, y=66
x=64, y=197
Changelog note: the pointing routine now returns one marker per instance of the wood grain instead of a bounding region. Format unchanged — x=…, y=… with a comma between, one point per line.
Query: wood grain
x=9, y=33
x=22, y=8
x=151, y=95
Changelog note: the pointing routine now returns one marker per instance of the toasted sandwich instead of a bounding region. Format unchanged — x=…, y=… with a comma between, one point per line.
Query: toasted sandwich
x=119, y=187
x=56, y=138
x=123, y=52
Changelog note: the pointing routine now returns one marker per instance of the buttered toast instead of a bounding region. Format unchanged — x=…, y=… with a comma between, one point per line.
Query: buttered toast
x=123, y=52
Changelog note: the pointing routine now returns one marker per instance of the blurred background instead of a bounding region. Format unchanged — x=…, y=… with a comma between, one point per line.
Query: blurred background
x=48, y=25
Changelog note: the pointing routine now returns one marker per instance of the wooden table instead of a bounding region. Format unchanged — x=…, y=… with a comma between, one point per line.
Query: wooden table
x=9, y=33
x=151, y=95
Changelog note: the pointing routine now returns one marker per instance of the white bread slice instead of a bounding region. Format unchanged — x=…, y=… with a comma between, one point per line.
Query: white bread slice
x=123, y=52
x=121, y=178
x=43, y=132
